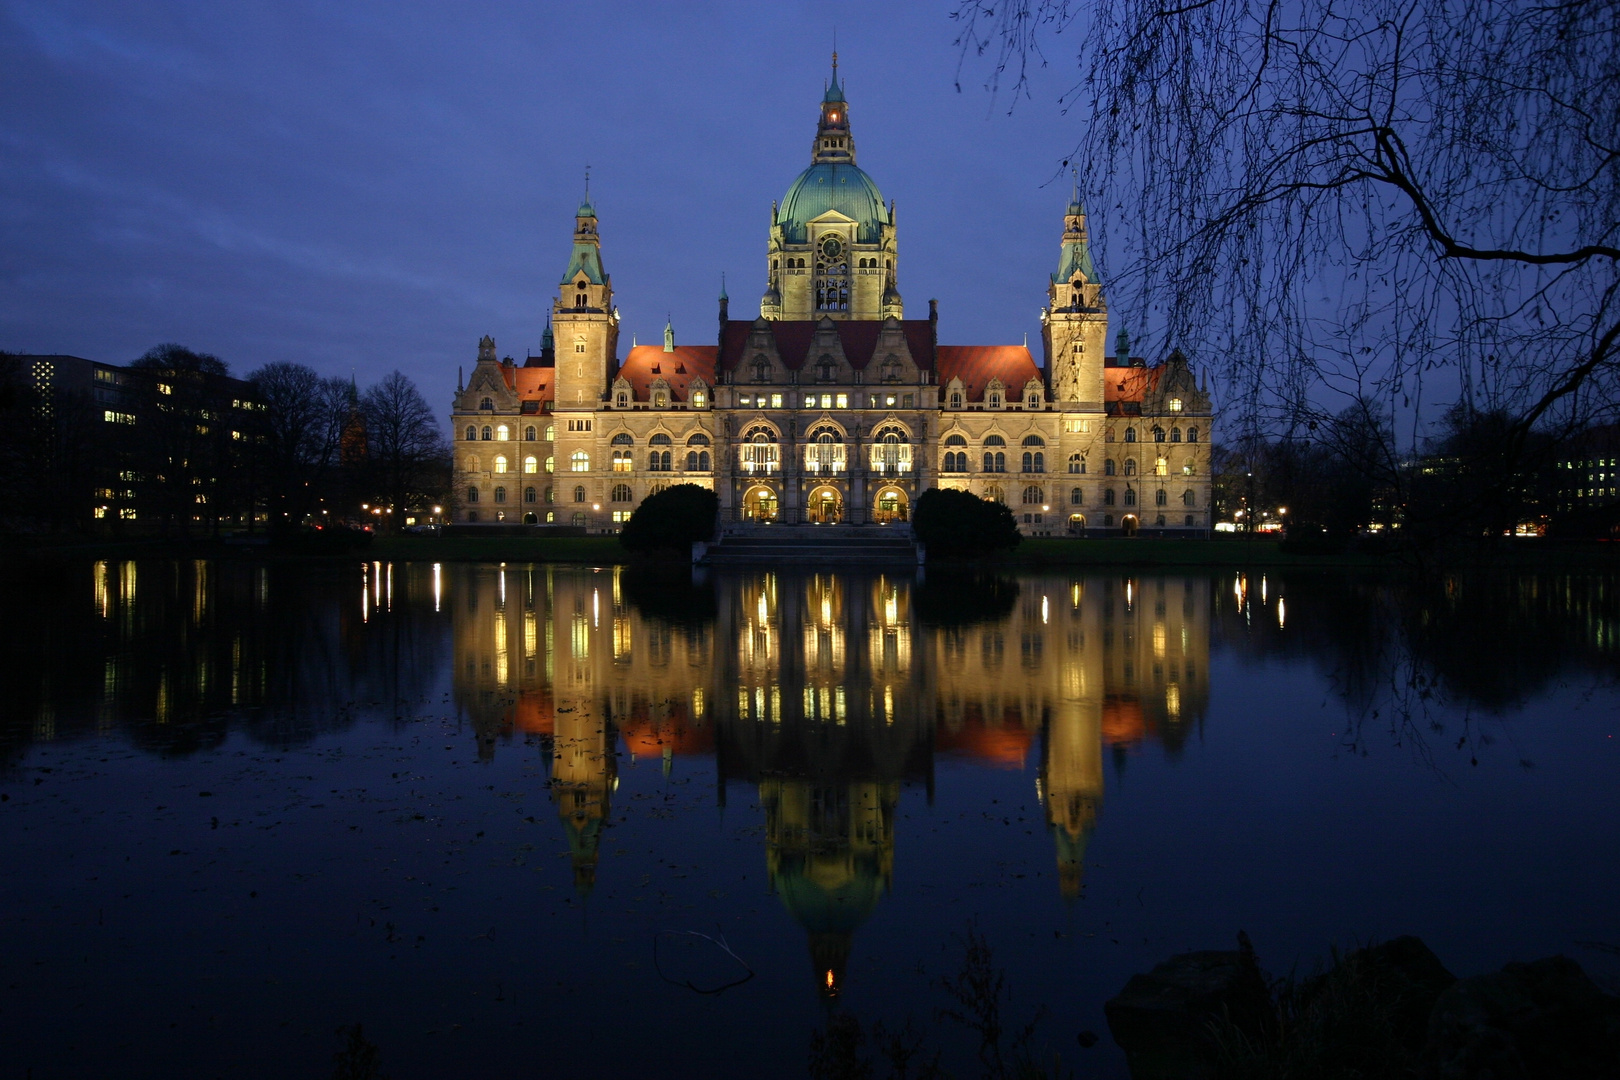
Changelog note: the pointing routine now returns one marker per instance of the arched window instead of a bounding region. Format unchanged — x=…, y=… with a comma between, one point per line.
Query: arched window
x=658, y=460
x=955, y=440
x=1034, y=462
x=1034, y=440
x=1130, y=466
x=994, y=493
x=1108, y=519
x=1188, y=498
x=691, y=461
x=660, y=399
x=579, y=493
x=994, y=398
x=486, y=403
x=489, y=433
x=473, y=464
x=994, y=440
x=1158, y=433
x=1192, y=434
x=621, y=493
x=529, y=433
x=1175, y=404
x=551, y=495
x=891, y=452
x=995, y=462
x=1108, y=497
x=825, y=452
x=500, y=494
x=619, y=460
x=1159, y=521
x=699, y=399
x=1130, y=434
x=472, y=494
x=579, y=461
x=1077, y=463
x=500, y=463
x=1160, y=498
x=759, y=451
x=1188, y=468
x=551, y=432
x=762, y=368
x=1032, y=496
x=529, y=494
x=955, y=461
x=1175, y=434
x=551, y=463
x=1033, y=401
x=1189, y=520
x=659, y=440
x=472, y=433
x=621, y=400
x=531, y=465
x=1108, y=467
x=1130, y=496
x=1161, y=466
x=698, y=439
x=621, y=439
x=578, y=518
x=502, y=433
x=1076, y=497
x=956, y=399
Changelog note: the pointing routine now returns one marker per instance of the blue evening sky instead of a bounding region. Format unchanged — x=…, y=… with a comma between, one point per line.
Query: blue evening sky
x=364, y=186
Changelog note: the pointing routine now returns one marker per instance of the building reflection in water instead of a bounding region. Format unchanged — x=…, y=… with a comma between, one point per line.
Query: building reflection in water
x=829, y=693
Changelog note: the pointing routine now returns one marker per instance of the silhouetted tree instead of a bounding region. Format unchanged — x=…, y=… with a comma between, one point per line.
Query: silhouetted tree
x=958, y=524
x=1350, y=196
x=301, y=430
x=671, y=520
x=405, y=455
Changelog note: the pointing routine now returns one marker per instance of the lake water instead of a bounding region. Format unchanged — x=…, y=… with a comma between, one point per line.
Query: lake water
x=488, y=810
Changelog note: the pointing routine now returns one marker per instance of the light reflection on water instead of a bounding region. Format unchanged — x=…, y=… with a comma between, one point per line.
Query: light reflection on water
x=853, y=714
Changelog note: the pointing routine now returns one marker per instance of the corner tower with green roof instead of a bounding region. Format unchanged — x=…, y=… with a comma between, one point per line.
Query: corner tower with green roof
x=832, y=246
x=1074, y=326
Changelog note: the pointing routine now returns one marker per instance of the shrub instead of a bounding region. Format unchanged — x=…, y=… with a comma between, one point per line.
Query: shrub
x=960, y=525
x=671, y=520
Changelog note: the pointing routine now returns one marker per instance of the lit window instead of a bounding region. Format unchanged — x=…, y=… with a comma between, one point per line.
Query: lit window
x=500, y=463
x=502, y=433
x=776, y=401
x=531, y=464
x=1175, y=404
x=579, y=461
x=699, y=399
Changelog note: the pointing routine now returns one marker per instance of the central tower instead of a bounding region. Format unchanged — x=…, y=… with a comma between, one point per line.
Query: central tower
x=832, y=246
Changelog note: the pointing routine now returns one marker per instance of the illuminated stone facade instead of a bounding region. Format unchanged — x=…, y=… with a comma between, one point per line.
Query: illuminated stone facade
x=832, y=406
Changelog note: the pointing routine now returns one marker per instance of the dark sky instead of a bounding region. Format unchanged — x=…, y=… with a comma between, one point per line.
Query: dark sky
x=364, y=186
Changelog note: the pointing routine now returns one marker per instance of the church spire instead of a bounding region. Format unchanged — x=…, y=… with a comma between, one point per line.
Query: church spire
x=833, y=141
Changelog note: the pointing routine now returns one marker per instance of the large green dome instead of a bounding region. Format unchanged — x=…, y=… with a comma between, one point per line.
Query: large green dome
x=833, y=186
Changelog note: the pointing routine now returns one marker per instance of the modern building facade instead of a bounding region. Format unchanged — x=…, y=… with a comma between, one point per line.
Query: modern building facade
x=831, y=406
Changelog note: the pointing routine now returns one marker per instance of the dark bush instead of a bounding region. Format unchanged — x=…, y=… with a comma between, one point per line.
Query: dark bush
x=671, y=520
x=959, y=525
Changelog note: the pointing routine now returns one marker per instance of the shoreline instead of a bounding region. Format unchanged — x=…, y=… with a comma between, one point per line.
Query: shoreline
x=1033, y=554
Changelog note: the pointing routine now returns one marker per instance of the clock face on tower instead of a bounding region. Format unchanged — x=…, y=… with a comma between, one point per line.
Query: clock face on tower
x=832, y=247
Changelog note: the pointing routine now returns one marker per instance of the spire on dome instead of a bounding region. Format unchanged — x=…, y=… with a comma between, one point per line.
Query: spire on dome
x=833, y=141
x=835, y=91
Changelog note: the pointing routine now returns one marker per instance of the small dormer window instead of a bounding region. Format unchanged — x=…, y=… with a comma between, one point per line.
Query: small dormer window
x=487, y=403
x=622, y=400
x=995, y=399
x=699, y=399
x=956, y=399
x=1034, y=402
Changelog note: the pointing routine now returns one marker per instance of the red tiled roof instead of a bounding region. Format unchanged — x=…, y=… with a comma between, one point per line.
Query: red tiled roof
x=1128, y=383
x=648, y=362
x=976, y=365
x=531, y=384
x=858, y=339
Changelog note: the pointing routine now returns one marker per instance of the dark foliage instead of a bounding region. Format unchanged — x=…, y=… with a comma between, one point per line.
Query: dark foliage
x=959, y=525
x=963, y=599
x=671, y=520
x=668, y=594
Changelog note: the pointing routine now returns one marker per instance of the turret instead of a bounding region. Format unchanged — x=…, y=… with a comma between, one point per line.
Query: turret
x=1075, y=323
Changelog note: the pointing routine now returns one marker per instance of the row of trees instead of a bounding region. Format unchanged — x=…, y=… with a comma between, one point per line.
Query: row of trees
x=173, y=443
x=1472, y=478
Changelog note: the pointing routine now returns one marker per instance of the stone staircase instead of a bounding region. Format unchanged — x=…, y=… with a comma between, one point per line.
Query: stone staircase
x=811, y=547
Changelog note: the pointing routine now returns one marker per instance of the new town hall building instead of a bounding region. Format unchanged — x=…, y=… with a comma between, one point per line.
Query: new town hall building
x=831, y=405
